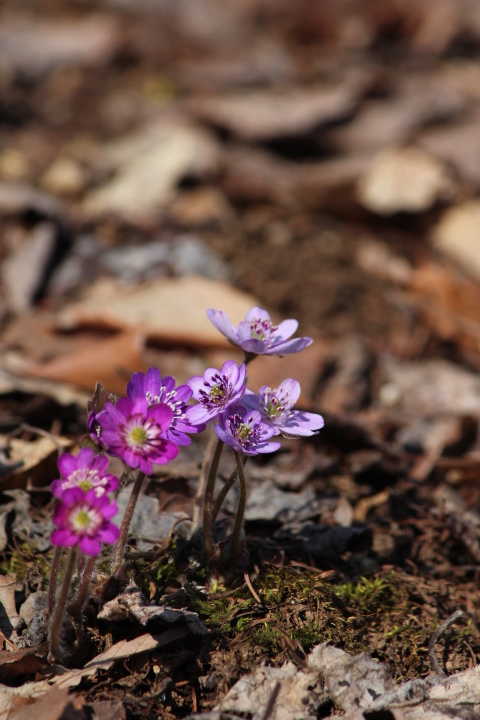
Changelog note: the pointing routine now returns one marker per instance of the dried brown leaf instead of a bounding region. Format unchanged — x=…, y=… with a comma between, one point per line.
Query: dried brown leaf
x=168, y=310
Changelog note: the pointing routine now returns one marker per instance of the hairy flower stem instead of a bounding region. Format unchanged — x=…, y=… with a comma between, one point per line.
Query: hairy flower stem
x=52, y=588
x=242, y=501
x=207, y=506
x=202, y=481
x=125, y=526
x=225, y=490
x=76, y=606
x=56, y=626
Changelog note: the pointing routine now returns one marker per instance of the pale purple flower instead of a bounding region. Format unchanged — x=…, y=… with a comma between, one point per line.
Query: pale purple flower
x=156, y=389
x=275, y=406
x=245, y=431
x=135, y=432
x=82, y=518
x=257, y=335
x=216, y=391
x=86, y=471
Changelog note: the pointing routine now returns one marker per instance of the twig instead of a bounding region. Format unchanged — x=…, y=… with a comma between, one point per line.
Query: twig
x=251, y=588
x=271, y=701
x=434, y=665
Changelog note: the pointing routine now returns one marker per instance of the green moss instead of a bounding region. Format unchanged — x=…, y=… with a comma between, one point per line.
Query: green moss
x=369, y=594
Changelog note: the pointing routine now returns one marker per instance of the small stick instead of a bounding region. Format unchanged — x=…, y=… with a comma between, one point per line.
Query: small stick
x=202, y=480
x=246, y=577
x=127, y=518
x=242, y=501
x=52, y=588
x=434, y=665
x=271, y=701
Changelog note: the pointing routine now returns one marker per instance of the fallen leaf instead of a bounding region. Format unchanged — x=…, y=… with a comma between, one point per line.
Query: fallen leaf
x=21, y=662
x=448, y=302
x=149, y=167
x=141, y=644
x=39, y=461
x=168, y=310
x=458, y=145
x=10, y=620
x=37, y=46
x=110, y=362
x=457, y=235
x=132, y=603
x=23, y=272
x=16, y=199
x=261, y=115
x=404, y=180
x=432, y=388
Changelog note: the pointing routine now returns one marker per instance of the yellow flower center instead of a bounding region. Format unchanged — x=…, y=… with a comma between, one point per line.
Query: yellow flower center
x=138, y=436
x=82, y=519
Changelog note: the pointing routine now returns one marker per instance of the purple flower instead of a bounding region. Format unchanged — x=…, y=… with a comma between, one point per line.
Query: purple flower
x=82, y=518
x=154, y=389
x=245, y=431
x=275, y=407
x=257, y=334
x=87, y=471
x=135, y=433
x=216, y=391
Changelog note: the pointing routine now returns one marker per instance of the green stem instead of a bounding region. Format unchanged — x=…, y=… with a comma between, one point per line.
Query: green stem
x=76, y=606
x=242, y=501
x=125, y=526
x=202, y=481
x=225, y=490
x=207, y=505
x=52, y=588
x=57, y=618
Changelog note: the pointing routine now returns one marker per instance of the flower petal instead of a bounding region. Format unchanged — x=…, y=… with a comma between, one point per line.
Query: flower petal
x=292, y=388
x=109, y=533
x=302, y=424
x=286, y=330
x=223, y=324
x=257, y=313
x=162, y=413
x=67, y=464
x=89, y=546
x=63, y=537
x=290, y=346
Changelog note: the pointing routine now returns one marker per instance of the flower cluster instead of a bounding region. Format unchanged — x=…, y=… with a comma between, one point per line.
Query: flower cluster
x=148, y=426
x=84, y=509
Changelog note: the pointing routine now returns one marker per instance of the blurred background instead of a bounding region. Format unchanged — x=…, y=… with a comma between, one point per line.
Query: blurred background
x=159, y=157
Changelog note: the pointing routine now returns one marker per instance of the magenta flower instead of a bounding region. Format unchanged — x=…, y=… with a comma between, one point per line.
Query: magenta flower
x=87, y=471
x=257, y=335
x=275, y=407
x=135, y=432
x=82, y=518
x=155, y=390
x=245, y=431
x=216, y=391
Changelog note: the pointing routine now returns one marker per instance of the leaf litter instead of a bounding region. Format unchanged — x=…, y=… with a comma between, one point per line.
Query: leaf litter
x=322, y=159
